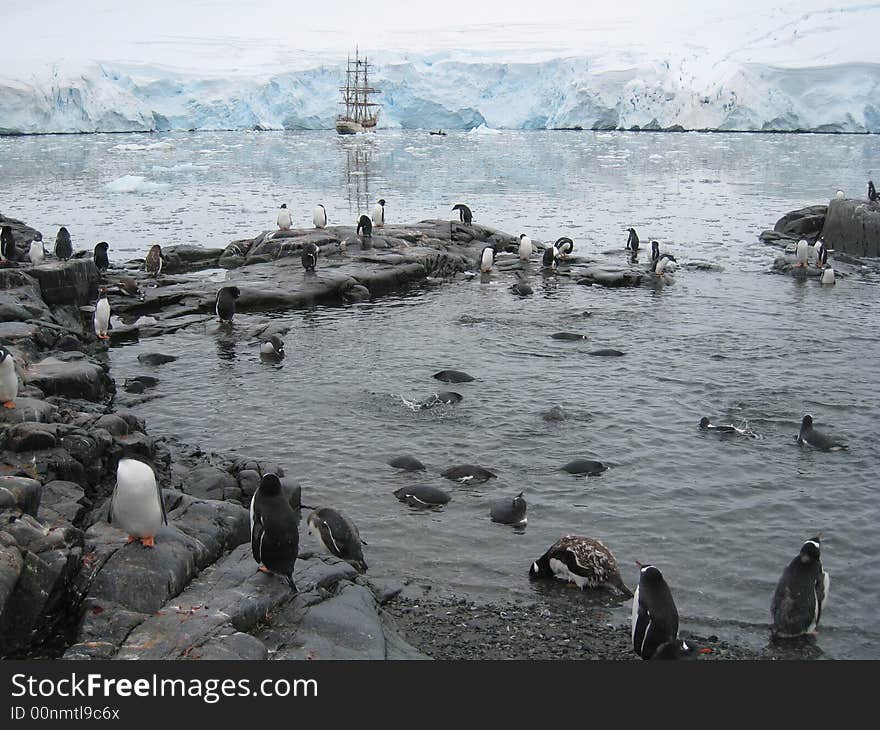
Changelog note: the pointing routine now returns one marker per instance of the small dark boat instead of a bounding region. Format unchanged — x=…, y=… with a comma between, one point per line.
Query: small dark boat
x=439, y=133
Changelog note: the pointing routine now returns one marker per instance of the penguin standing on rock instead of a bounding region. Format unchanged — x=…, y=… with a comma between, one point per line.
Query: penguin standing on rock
x=63, y=244
x=319, y=216
x=274, y=530
x=102, y=316
x=136, y=504
x=7, y=244
x=654, y=615
x=365, y=227
x=821, y=254
x=584, y=561
x=309, y=256
x=525, y=247
x=801, y=254
x=36, y=252
x=8, y=379
x=800, y=594
x=464, y=213
x=284, y=221
x=565, y=246
x=550, y=259
x=225, y=304
x=872, y=192
x=487, y=258
x=338, y=535
x=379, y=214
x=155, y=260
x=102, y=261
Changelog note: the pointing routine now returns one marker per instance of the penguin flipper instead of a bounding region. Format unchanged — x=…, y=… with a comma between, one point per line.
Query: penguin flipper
x=257, y=537
x=110, y=508
x=337, y=551
x=161, y=504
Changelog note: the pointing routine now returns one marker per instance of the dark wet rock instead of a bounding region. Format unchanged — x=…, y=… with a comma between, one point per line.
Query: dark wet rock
x=209, y=482
x=11, y=563
x=422, y=495
x=28, y=409
x=453, y=376
x=556, y=413
x=30, y=436
x=155, y=358
x=73, y=378
x=20, y=493
x=356, y=293
x=613, y=277
x=806, y=222
x=113, y=424
x=853, y=227
x=11, y=332
x=67, y=282
x=133, y=386
x=606, y=352
x=585, y=466
x=248, y=481
x=407, y=463
x=567, y=336
x=189, y=258
x=62, y=502
x=468, y=472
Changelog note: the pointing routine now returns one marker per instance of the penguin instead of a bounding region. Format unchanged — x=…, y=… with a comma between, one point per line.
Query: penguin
x=310, y=256
x=510, y=511
x=551, y=257
x=273, y=347
x=284, y=221
x=839, y=195
x=813, y=251
x=565, y=246
x=827, y=276
x=655, y=254
x=584, y=561
x=319, y=216
x=706, y=425
x=810, y=436
x=487, y=258
x=801, y=253
x=379, y=214
x=872, y=192
x=338, y=535
x=63, y=244
x=821, y=254
x=225, y=303
x=365, y=226
x=8, y=379
x=102, y=262
x=525, y=247
x=661, y=266
x=155, y=260
x=796, y=606
x=36, y=252
x=7, y=244
x=274, y=530
x=136, y=504
x=632, y=241
x=102, y=316
x=654, y=615
x=464, y=213
x=422, y=495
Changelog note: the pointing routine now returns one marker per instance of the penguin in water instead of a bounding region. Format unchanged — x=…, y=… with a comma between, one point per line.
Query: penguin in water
x=510, y=511
x=63, y=244
x=36, y=252
x=284, y=221
x=464, y=213
x=796, y=606
x=810, y=436
x=654, y=615
x=801, y=254
x=584, y=561
x=7, y=244
x=632, y=241
x=8, y=379
x=487, y=259
x=274, y=530
x=525, y=247
x=379, y=213
x=565, y=246
x=102, y=316
x=273, y=347
x=827, y=276
x=550, y=259
x=309, y=256
x=365, y=227
x=136, y=504
x=102, y=261
x=338, y=535
x=225, y=303
x=319, y=216
x=727, y=428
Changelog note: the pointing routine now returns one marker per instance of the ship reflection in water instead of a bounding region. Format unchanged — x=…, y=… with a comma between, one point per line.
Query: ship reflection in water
x=358, y=155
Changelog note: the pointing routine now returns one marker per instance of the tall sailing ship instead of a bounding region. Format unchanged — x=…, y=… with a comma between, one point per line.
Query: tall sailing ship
x=360, y=113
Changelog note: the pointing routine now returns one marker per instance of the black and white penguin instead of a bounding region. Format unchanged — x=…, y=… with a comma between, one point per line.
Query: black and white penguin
x=102, y=316
x=338, y=535
x=422, y=495
x=273, y=347
x=565, y=246
x=510, y=511
x=274, y=530
x=655, y=254
x=7, y=244
x=827, y=276
x=8, y=379
x=654, y=615
x=800, y=253
x=872, y=192
x=284, y=221
x=63, y=244
x=36, y=253
x=811, y=437
x=487, y=258
x=319, y=216
x=155, y=260
x=525, y=247
x=800, y=594
x=225, y=303
x=309, y=256
x=728, y=428
x=102, y=261
x=584, y=561
x=379, y=213
x=365, y=226
x=136, y=504
x=464, y=213
x=821, y=254
x=551, y=257
x=632, y=241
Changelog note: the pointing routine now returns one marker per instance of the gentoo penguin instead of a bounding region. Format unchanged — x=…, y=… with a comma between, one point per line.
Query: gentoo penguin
x=509, y=511
x=36, y=252
x=319, y=216
x=102, y=316
x=632, y=241
x=800, y=594
x=872, y=192
x=827, y=276
x=821, y=254
x=464, y=213
x=365, y=226
x=63, y=244
x=309, y=256
x=136, y=504
x=525, y=247
x=580, y=560
x=655, y=254
x=8, y=379
x=801, y=253
x=379, y=213
x=338, y=535
x=274, y=530
x=551, y=257
x=487, y=258
x=422, y=495
x=661, y=265
x=273, y=347
x=654, y=615
x=284, y=222
x=155, y=260
x=102, y=262
x=565, y=246
x=840, y=195
x=810, y=436
x=706, y=425
x=7, y=244
x=225, y=303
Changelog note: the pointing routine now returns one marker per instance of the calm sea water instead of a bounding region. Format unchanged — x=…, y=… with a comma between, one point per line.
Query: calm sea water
x=721, y=518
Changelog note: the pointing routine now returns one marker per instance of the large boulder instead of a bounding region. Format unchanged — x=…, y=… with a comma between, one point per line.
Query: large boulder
x=71, y=377
x=853, y=227
x=67, y=282
x=804, y=223
x=20, y=493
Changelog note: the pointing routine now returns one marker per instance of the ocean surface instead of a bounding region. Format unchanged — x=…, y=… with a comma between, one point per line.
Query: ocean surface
x=721, y=517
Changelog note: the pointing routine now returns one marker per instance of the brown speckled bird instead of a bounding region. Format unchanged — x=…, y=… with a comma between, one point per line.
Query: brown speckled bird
x=584, y=561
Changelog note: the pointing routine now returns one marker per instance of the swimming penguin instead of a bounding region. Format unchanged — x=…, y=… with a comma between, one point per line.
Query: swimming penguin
x=136, y=504
x=365, y=226
x=8, y=379
x=274, y=530
x=102, y=316
x=309, y=256
x=812, y=437
x=632, y=241
x=36, y=252
x=379, y=213
x=800, y=594
x=706, y=425
x=551, y=257
x=584, y=561
x=525, y=247
x=63, y=244
x=284, y=221
x=467, y=473
x=7, y=244
x=827, y=276
x=487, y=258
x=339, y=536
x=464, y=213
x=225, y=303
x=102, y=261
x=273, y=347
x=155, y=260
x=509, y=511
x=565, y=246
x=654, y=615
x=319, y=216
x=821, y=254
x=422, y=495
x=801, y=253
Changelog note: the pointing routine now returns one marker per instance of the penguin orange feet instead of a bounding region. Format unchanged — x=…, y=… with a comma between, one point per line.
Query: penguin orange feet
x=148, y=541
x=9, y=404
x=264, y=569
x=103, y=337
x=131, y=538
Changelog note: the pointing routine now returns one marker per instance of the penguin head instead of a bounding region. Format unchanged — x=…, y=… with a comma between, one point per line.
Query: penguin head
x=270, y=485
x=807, y=421
x=810, y=550
x=156, y=249
x=655, y=249
x=102, y=246
x=278, y=344
x=234, y=292
x=4, y=353
x=518, y=501
x=649, y=573
x=704, y=422
x=382, y=202
x=284, y=205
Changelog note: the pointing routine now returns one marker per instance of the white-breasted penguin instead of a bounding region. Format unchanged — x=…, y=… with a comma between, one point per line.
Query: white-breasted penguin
x=821, y=254
x=379, y=213
x=155, y=260
x=338, y=535
x=800, y=253
x=8, y=379
x=796, y=606
x=63, y=244
x=365, y=226
x=136, y=504
x=550, y=258
x=487, y=258
x=839, y=195
x=525, y=247
x=319, y=216
x=810, y=436
x=464, y=213
x=827, y=276
x=584, y=561
x=565, y=246
x=102, y=316
x=274, y=530
x=309, y=255
x=224, y=306
x=284, y=220
x=36, y=252
x=273, y=346
x=654, y=615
